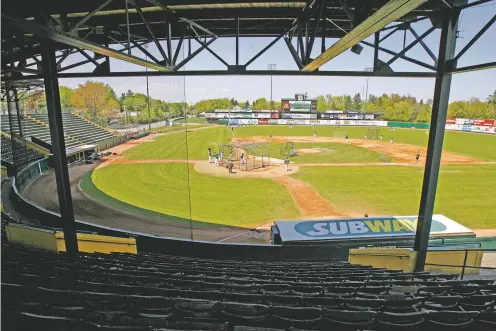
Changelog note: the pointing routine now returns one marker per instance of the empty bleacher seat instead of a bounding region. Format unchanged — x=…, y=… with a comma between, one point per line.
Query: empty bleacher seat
x=150, y=291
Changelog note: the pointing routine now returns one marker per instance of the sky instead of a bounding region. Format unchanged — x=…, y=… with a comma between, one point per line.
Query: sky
x=195, y=88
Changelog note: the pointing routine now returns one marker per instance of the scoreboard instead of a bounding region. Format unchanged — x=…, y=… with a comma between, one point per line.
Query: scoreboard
x=299, y=104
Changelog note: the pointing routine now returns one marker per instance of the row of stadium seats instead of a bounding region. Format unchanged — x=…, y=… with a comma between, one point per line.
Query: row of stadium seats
x=150, y=291
x=32, y=128
x=21, y=154
x=79, y=128
x=77, y=131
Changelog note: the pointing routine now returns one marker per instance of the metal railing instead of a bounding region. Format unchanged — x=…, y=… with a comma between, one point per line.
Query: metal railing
x=464, y=266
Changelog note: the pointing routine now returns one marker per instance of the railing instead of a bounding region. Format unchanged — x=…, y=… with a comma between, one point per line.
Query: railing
x=32, y=171
x=464, y=266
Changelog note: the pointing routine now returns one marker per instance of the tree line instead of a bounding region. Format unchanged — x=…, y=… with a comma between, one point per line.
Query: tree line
x=100, y=102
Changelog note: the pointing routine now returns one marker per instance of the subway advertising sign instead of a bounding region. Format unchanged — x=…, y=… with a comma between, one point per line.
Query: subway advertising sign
x=371, y=227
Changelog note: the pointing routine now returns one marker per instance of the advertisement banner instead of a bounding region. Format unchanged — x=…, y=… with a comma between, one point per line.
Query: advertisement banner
x=271, y=121
x=358, y=228
x=463, y=121
x=451, y=120
x=483, y=122
x=330, y=116
x=275, y=115
x=210, y=115
x=369, y=117
x=248, y=121
x=263, y=121
x=467, y=128
x=261, y=115
x=295, y=116
x=334, y=111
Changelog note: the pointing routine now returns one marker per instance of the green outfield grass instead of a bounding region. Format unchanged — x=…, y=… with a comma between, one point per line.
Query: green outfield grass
x=163, y=188
x=479, y=146
x=465, y=193
x=173, y=146
x=329, y=153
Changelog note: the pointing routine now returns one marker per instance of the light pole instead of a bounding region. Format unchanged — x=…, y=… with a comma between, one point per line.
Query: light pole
x=271, y=66
x=367, y=88
x=148, y=94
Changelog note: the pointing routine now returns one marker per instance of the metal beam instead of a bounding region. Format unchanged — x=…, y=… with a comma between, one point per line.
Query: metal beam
x=436, y=136
x=58, y=147
x=89, y=58
x=169, y=41
x=389, y=34
x=409, y=22
x=348, y=12
x=211, y=51
x=390, y=12
x=270, y=45
x=413, y=43
x=150, y=31
x=476, y=37
x=181, y=19
x=18, y=110
x=397, y=74
x=47, y=33
x=482, y=66
x=89, y=15
x=237, y=40
x=144, y=50
x=314, y=29
x=423, y=44
x=293, y=52
x=404, y=57
x=377, y=36
x=475, y=3
x=178, y=49
x=190, y=56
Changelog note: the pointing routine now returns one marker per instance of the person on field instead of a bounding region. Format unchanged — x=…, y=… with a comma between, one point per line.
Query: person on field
x=346, y=138
x=381, y=137
x=242, y=158
x=286, y=164
x=216, y=159
x=230, y=166
x=209, y=155
x=221, y=155
x=417, y=157
x=391, y=140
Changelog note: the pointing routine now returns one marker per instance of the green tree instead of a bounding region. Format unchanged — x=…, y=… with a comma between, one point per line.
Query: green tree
x=66, y=94
x=424, y=115
x=321, y=103
x=348, y=104
x=357, y=102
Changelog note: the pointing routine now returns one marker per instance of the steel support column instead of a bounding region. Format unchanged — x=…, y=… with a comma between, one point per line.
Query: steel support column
x=19, y=117
x=237, y=41
x=58, y=146
x=436, y=135
x=377, y=36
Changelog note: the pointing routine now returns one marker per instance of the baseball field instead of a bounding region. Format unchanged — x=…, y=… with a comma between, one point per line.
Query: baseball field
x=329, y=177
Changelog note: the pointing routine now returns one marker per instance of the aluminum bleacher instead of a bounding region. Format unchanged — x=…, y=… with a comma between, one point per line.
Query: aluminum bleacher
x=154, y=291
x=78, y=128
x=31, y=127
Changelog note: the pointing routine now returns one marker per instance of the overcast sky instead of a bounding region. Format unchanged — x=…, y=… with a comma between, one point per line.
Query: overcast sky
x=192, y=89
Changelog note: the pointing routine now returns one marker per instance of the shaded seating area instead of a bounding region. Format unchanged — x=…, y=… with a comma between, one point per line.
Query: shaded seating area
x=23, y=155
x=154, y=291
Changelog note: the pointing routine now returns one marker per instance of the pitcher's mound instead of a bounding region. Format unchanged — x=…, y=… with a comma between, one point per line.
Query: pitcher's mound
x=277, y=170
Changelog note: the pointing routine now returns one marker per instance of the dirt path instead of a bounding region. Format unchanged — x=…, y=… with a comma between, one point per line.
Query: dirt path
x=399, y=152
x=310, y=203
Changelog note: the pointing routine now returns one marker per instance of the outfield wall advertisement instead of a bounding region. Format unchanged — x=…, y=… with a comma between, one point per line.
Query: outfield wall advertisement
x=468, y=125
x=372, y=227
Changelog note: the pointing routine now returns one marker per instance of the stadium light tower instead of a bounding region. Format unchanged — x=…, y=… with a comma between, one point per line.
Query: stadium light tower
x=271, y=66
x=367, y=88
